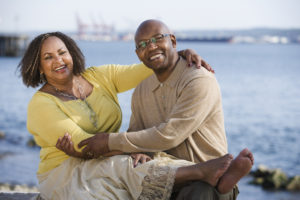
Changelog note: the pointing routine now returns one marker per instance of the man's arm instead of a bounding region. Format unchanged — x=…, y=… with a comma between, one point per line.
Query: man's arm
x=196, y=104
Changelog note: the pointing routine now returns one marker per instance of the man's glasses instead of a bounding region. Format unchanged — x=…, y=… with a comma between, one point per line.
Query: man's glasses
x=155, y=39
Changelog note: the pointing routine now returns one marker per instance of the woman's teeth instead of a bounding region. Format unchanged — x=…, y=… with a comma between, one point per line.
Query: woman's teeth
x=60, y=68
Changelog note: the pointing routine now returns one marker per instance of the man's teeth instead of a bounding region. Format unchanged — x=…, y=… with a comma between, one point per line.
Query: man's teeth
x=154, y=57
x=59, y=68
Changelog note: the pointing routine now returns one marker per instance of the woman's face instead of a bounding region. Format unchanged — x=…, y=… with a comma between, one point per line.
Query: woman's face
x=56, y=61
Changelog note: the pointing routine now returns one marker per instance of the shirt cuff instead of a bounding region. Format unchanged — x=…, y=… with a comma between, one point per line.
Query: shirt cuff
x=114, y=141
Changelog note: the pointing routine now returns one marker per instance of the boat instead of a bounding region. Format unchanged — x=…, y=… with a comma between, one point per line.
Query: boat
x=204, y=39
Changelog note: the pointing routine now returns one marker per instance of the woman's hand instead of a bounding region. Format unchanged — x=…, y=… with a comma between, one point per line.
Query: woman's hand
x=192, y=57
x=66, y=145
x=139, y=158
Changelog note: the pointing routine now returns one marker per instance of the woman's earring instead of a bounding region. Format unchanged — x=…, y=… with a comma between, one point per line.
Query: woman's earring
x=42, y=78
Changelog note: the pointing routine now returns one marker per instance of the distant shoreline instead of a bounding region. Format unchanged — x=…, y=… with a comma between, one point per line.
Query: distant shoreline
x=17, y=191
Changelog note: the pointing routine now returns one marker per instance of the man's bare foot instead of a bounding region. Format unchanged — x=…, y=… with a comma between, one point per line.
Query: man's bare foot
x=211, y=170
x=239, y=167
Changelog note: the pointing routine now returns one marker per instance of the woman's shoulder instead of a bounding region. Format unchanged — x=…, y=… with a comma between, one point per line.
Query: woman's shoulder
x=100, y=68
x=110, y=68
x=41, y=98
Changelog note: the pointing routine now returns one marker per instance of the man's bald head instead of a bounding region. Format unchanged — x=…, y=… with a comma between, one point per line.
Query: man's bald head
x=150, y=26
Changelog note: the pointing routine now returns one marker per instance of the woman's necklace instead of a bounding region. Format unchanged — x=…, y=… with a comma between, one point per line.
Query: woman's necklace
x=84, y=104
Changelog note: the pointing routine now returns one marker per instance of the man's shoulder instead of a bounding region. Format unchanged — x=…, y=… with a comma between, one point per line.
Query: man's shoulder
x=148, y=81
x=193, y=73
x=146, y=84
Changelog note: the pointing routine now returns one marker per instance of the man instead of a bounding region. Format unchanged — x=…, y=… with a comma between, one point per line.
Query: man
x=177, y=110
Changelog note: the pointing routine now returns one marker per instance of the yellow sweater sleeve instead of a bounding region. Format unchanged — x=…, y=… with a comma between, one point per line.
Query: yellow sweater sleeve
x=122, y=77
x=46, y=121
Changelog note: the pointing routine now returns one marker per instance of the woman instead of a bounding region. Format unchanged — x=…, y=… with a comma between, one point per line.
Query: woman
x=83, y=102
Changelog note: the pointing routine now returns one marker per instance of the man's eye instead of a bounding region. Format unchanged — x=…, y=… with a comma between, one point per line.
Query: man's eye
x=159, y=37
x=142, y=44
x=153, y=40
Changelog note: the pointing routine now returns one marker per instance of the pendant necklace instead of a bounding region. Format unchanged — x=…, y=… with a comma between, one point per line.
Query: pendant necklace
x=83, y=102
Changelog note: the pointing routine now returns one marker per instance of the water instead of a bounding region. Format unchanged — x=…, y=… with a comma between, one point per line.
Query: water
x=261, y=98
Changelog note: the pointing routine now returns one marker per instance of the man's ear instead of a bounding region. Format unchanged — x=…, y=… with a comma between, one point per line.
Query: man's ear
x=173, y=40
x=136, y=52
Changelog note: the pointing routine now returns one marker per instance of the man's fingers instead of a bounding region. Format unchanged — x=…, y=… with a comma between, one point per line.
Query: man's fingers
x=83, y=142
x=85, y=150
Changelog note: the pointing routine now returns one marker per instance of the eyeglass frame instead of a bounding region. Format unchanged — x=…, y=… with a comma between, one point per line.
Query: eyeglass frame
x=153, y=40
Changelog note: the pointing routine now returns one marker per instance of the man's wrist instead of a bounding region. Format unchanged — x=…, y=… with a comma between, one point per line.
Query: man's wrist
x=112, y=141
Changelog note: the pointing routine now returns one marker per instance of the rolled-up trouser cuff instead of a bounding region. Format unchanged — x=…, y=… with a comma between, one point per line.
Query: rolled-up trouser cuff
x=232, y=195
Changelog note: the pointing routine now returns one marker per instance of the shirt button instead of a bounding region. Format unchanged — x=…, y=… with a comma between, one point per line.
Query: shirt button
x=161, y=84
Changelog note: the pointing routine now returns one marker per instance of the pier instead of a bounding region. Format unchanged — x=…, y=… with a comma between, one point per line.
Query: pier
x=12, y=45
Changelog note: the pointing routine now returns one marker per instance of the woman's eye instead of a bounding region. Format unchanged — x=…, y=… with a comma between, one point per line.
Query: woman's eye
x=62, y=52
x=48, y=57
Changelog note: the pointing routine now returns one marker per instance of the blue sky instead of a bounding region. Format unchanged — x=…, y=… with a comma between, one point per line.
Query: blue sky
x=51, y=15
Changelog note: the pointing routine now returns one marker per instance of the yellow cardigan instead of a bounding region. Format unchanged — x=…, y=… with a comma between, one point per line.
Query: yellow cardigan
x=49, y=117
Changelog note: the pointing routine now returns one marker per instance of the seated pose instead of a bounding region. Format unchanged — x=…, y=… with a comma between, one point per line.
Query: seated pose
x=177, y=110
x=83, y=102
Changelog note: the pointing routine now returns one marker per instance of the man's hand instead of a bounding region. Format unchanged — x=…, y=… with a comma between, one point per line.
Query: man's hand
x=95, y=146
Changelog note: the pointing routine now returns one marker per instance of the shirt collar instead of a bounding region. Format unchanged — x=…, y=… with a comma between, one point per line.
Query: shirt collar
x=173, y=78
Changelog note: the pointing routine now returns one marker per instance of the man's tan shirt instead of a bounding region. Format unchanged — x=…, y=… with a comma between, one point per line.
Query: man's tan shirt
x=182, y=116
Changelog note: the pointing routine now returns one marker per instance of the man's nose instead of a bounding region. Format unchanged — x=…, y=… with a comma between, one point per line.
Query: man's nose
x=152, y=45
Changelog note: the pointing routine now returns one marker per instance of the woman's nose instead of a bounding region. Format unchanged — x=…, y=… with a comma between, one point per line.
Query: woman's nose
x=58, y=59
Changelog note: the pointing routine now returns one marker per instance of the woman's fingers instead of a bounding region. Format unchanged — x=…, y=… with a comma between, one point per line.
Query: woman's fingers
x=140, y=158
x=58, y=143
x=136, y=158
x=143, y=160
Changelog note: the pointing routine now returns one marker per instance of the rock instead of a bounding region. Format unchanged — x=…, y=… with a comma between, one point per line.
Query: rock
x=257, y=181
x=262, y=171
x=31, y=143
x=294, y=184
x=18, y=192
x=276, y=180
x=5, y=187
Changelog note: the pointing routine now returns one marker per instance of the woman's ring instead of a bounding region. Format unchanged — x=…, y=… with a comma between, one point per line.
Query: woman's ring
x=89, y=154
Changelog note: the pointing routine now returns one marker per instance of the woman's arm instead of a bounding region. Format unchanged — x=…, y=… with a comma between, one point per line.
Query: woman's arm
x=192, y=57
x=48, y=122
x=65, y=144
x=126, y=77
